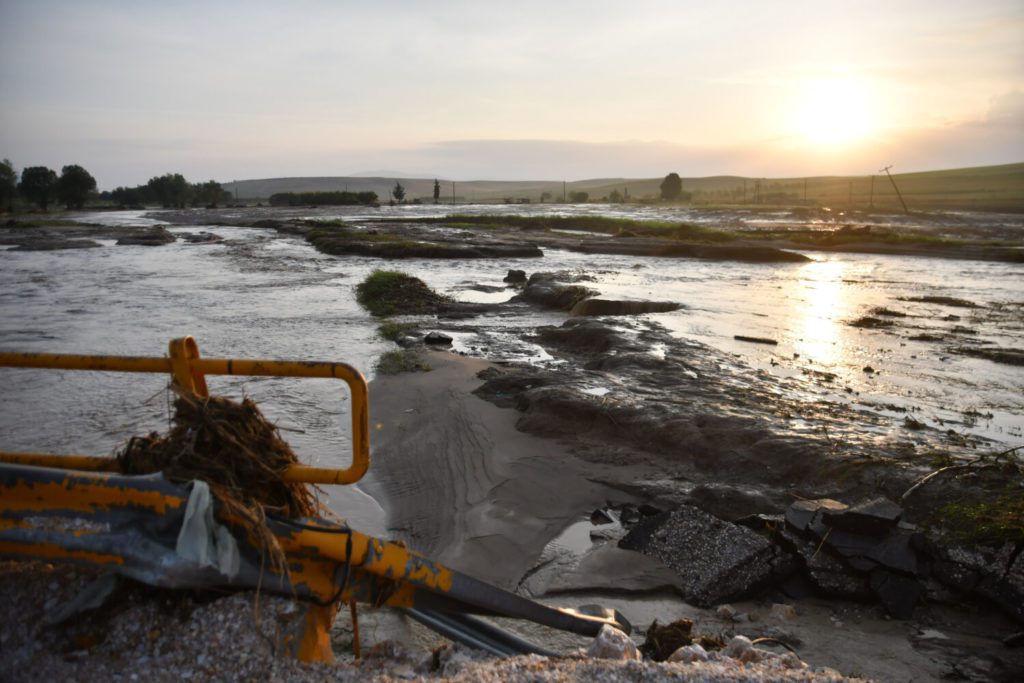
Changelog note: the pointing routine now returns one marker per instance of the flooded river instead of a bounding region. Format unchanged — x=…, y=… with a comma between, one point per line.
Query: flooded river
x=260, y=294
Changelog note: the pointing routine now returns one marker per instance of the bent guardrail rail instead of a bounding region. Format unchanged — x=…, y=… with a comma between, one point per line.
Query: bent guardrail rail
x=188, y=371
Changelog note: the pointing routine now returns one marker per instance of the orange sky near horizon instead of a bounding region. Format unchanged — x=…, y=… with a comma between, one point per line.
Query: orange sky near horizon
x=485, y=90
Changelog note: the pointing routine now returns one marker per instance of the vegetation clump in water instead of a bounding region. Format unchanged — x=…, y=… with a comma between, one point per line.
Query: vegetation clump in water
x=393, y=331
x=388, y=292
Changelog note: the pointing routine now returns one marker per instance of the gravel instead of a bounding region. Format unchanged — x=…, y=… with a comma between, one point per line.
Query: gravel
x=157, y=635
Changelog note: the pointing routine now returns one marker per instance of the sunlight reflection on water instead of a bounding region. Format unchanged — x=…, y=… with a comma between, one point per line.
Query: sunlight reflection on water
x=820, y=293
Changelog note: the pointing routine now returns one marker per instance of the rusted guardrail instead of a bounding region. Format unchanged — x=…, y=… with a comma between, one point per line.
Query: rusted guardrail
x=188, y=371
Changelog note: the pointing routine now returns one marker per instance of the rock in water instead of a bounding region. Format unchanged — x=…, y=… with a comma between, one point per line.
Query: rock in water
x=611, y=643
x=515, y=277
x=437, y=339
x=715, y=560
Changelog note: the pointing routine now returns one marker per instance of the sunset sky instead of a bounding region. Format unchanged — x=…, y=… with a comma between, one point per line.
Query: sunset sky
x=510, y=90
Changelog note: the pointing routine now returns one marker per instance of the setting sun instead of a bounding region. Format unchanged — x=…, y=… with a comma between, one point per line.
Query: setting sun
x=834, y=111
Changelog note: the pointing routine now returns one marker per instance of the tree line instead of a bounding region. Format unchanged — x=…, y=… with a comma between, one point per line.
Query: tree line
x=40, y=186
x=170, y=191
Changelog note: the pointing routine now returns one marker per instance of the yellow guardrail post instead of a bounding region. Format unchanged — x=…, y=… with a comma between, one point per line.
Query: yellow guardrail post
x=183, y=351
x=188, y=371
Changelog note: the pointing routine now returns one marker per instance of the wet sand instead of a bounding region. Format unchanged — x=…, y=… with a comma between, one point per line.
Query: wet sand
x=461, y=484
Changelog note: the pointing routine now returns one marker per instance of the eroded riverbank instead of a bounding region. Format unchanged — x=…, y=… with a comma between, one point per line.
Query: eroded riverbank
x=668, y=408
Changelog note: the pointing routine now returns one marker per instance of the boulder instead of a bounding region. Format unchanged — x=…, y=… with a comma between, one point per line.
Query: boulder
x=994, y=573
x=554, y=295
x=801, y=513
x=437, y=339
x=715, y=560
x=515, y=277
x=201, y=237
x=152, y=237
x=898, y=593
x=875, y=517
x=581, y=335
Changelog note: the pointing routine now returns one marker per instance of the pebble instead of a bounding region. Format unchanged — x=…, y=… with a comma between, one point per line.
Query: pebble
x=221, y=640
x=689, y=653
x=738, y=646
x=611, y=643
x=783, y=612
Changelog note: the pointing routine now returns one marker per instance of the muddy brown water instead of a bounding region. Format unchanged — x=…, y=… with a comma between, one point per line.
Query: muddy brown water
x=260, y=294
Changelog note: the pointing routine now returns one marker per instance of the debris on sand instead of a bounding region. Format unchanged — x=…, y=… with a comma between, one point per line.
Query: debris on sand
x=942, y=300
x=755, y=340
x=229, y=445
x=870, y=322
x=996, y=355
x=238, y=453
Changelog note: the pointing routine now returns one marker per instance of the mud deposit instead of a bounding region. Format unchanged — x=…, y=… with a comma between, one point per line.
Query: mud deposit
x=731, y=386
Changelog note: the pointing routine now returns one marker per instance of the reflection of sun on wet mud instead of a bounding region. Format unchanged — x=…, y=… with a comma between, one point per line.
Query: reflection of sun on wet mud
x=819, y=302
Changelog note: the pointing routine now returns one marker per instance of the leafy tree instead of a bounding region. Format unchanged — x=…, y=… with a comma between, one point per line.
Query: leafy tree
x=399, y=192
x=579, y=197
x=130, y=196
x=209, y=193
x=437, y=191
x=545, y=196
x=615, y=197
x=8, y=184
x=74, y=186
x=171, y=190
x=671, y=187
x=37, y=185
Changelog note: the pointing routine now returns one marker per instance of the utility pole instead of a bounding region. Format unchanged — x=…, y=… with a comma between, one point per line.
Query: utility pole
x=893, y=181
x=453, y=193
x=871, y=197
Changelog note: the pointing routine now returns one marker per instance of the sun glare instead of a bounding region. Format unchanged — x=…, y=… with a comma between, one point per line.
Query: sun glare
x=833, y=112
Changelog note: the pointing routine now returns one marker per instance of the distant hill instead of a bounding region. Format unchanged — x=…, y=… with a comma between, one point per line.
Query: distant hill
x=996, y=188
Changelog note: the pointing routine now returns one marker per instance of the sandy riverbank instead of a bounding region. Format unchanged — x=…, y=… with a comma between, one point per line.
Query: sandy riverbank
x=463, y=485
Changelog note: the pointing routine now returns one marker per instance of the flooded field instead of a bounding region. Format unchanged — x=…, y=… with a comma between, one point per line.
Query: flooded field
x=261, y=294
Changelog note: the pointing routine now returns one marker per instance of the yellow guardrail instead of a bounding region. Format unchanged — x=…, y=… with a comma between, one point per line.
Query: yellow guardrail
x=188, y=371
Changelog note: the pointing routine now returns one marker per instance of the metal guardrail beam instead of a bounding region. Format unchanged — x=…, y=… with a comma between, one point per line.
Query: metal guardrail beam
x=189, y=372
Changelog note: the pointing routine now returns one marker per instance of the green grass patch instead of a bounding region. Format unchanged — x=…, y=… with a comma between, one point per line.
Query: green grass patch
x=389, y=292
x=991, y=522
x=989, y=509
x=405, y=360
x=393, y=331
x=602, y=224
